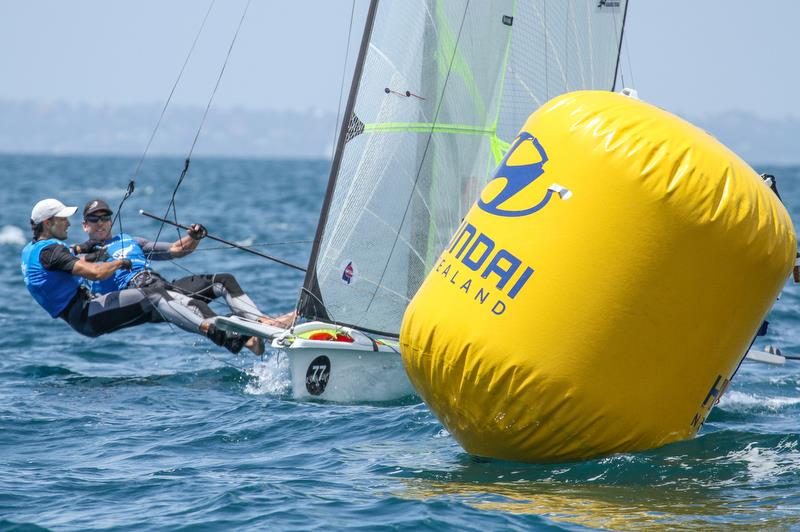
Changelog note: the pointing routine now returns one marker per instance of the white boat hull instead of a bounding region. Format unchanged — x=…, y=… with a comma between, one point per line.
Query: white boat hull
x=366, y=369
x=347, y=376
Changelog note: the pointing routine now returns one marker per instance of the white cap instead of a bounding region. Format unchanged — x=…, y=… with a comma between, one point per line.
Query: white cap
x=47, y=208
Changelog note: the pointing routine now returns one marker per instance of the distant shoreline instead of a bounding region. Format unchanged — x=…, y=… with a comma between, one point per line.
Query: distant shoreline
x=163, y=156
x=61, y=128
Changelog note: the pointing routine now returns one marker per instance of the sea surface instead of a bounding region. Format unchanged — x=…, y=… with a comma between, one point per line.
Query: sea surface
x=152, y=428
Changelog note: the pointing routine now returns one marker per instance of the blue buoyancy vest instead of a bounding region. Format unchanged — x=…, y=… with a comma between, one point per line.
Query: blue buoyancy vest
x=52, y=289
x=122, y=246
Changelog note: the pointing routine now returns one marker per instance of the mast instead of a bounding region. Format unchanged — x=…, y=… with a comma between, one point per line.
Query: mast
x=310, y=304
x=619, y=50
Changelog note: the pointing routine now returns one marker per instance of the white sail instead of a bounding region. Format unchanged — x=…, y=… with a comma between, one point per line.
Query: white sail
x=441, y=89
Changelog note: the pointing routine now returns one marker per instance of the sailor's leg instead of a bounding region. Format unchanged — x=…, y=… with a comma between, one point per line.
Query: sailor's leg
x=135, y=306
x=113, y=311
x=193, y=315
x=178, y=309
x=195, y=286
x=208, y=287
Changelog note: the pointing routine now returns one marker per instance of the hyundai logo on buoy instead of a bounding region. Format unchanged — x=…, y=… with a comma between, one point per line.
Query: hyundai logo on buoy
x=518, y=176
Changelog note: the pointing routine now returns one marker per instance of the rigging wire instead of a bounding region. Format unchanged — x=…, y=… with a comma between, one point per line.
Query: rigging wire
x=630, y=68
x=256, y=245
x=341, y=84
x=185, y=170
x=132, y=182
x=622, y=42
x=424, y=154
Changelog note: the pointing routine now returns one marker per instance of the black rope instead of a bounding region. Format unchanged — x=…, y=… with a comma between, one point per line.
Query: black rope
x=185, y=170
x=219, y=78
x=424, y=154
x=170, y=206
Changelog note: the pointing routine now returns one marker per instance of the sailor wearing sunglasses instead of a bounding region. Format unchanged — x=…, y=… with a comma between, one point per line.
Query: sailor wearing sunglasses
x=55, y=278
x=196, y=290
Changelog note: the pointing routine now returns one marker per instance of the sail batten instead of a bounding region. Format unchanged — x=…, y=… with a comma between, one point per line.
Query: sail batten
x=440, y=91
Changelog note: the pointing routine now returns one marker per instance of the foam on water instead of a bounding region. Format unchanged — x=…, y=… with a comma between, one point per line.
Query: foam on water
x=766, y=464
x=745, y=401
x=270, y=376
x=11, y=235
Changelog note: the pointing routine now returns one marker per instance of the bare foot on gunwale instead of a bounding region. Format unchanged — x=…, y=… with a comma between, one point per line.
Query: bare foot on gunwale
x=284, y=322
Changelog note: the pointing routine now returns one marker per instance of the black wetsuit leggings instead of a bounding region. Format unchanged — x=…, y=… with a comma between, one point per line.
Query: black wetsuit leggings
x=184, y=303
x=93, y=316
x=204, y=288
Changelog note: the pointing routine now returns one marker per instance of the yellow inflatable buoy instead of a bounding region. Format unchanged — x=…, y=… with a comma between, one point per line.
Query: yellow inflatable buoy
x=600, y=295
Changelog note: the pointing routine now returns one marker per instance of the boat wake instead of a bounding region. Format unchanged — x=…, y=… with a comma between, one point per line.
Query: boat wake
x=270, y=376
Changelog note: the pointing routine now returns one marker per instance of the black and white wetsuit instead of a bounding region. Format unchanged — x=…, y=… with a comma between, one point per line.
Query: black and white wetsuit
x=207, y=287
x=202, y=287
x=95, y=315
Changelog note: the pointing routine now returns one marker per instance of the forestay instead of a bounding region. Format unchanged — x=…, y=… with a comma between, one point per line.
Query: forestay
x=440, y=90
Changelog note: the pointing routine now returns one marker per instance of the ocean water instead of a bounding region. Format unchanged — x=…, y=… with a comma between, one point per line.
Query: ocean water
x=152, y=428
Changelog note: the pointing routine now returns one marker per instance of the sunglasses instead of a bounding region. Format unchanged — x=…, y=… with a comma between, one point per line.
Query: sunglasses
x=93, y=218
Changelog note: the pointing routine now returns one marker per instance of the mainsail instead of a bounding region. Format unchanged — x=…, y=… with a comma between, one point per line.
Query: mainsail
x=440, y=89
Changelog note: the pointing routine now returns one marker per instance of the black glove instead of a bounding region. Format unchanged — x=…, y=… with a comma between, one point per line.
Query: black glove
x=86, y=247
x=197, y=231
x=126, y=264
x=97, y=256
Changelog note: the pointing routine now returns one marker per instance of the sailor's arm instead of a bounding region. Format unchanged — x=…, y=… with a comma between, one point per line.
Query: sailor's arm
x=58, y=257
x=98, y=271
x=189, y=242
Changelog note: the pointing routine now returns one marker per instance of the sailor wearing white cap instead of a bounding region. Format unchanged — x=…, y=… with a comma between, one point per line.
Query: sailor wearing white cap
x=51, y=272
x=49, y=208
x=53, y=275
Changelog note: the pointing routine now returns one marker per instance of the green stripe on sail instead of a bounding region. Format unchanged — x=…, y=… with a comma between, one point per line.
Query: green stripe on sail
x=499, y=146
x=426, y=127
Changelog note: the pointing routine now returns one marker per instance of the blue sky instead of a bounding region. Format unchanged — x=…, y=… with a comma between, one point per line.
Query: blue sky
x=691, y=57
